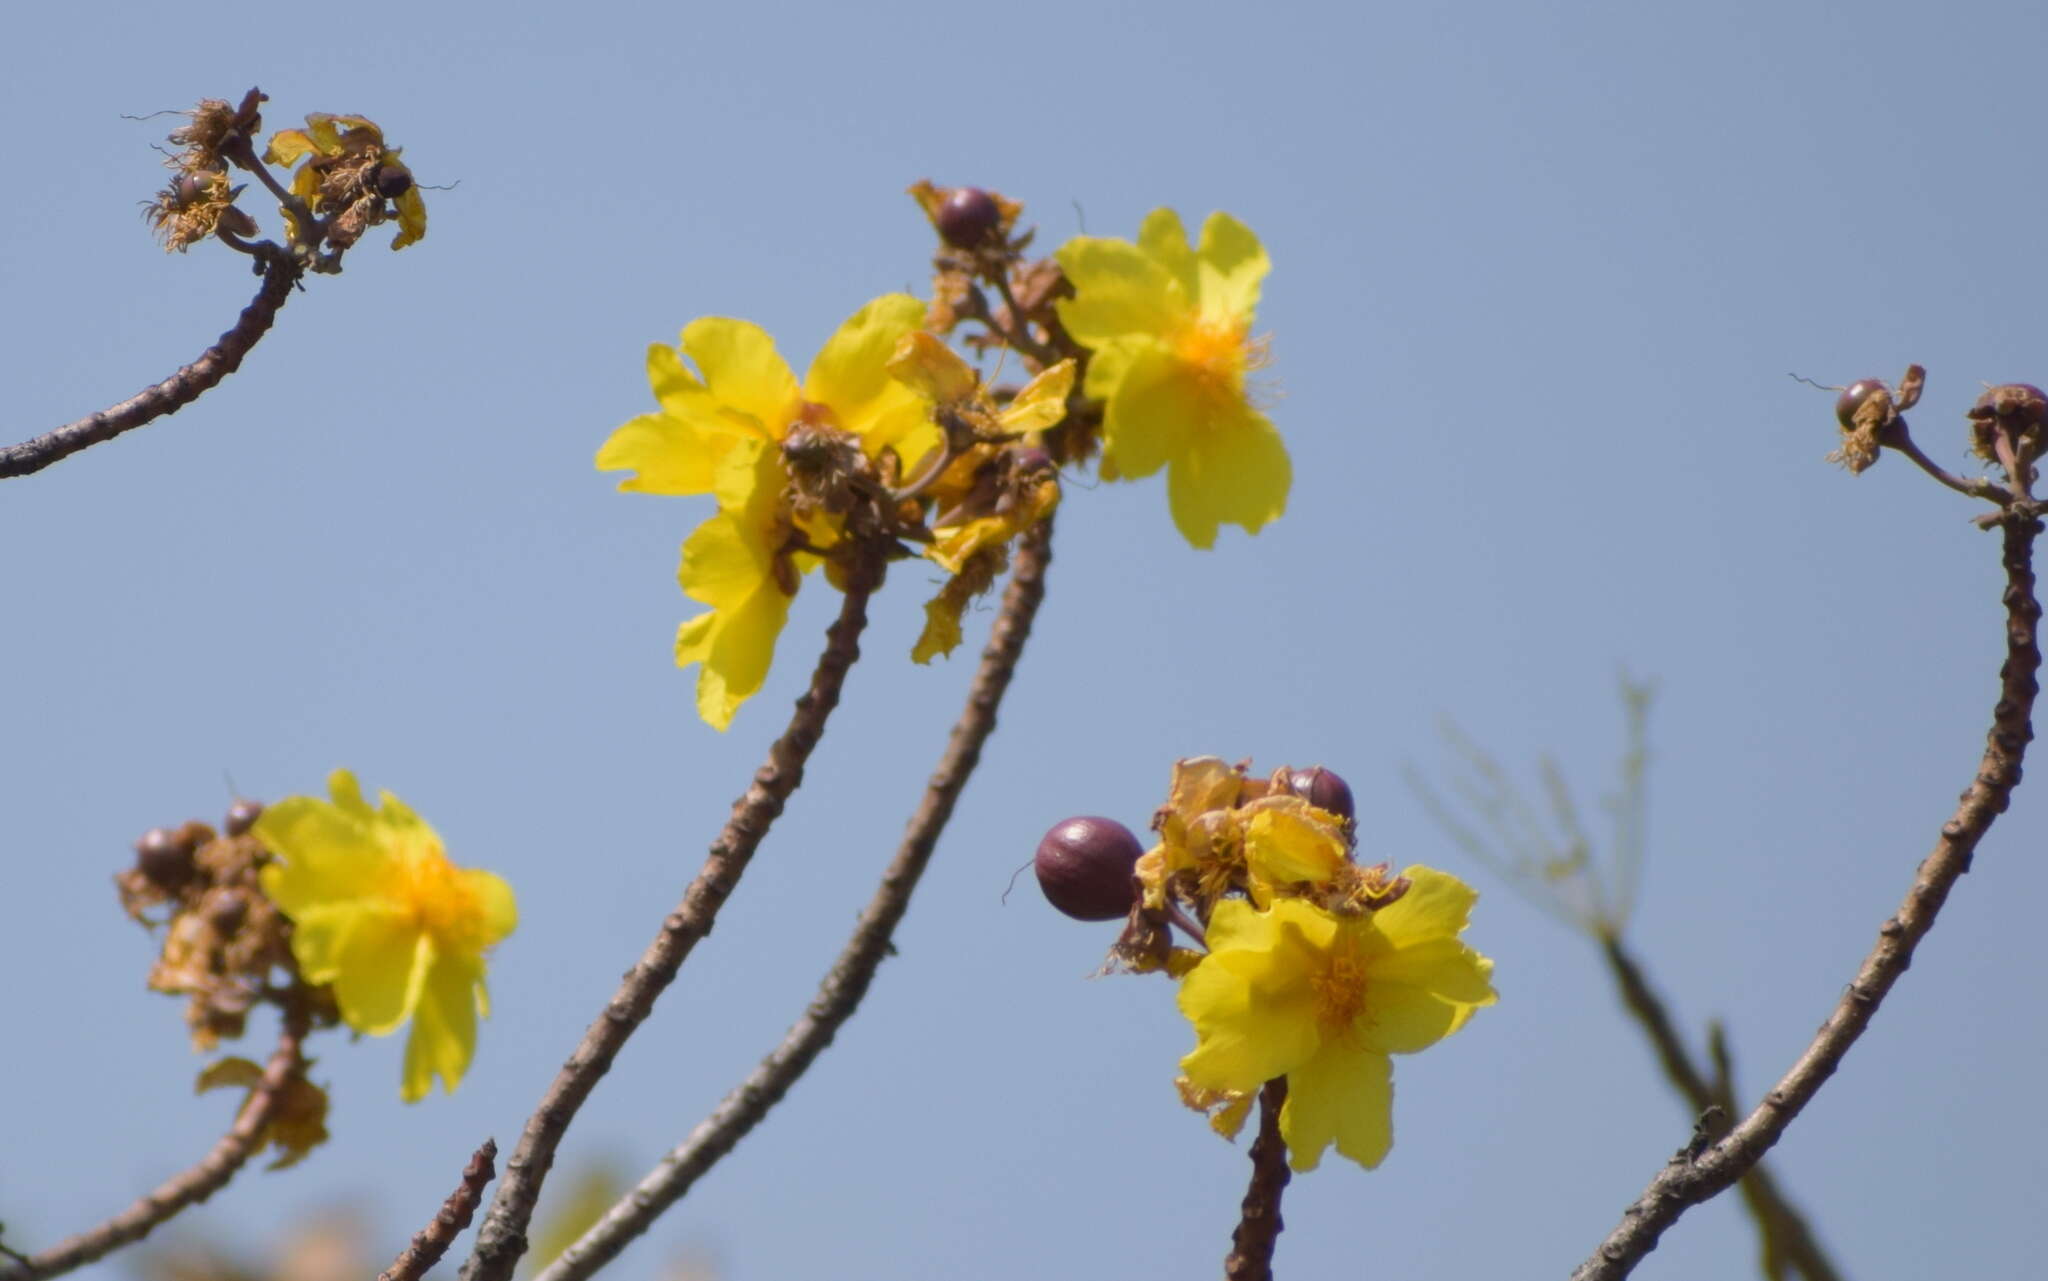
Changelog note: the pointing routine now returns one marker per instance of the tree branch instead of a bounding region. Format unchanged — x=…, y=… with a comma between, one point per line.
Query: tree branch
x=1251, y=1246
x=1788, y=1241
x=170, y=395
x=1686, y=1181
x=191, y=1186
x=432, y=1241
x=502, y=1238
x=839, y=995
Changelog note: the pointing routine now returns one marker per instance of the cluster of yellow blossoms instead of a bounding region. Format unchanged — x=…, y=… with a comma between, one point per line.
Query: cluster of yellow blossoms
x=889, y=418
x=1314, y=968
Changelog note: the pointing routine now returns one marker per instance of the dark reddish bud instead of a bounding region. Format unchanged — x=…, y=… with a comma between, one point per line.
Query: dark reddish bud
x=242, y=816
x=1852, y=399
x=165, y=856
x=190, y=188
x=2022, y=405
x=1085, y=868
x=968, y=218
x=393, y=180
x=227, y=909
x=1031, y=459
x=236, y=222
x=1325, y=790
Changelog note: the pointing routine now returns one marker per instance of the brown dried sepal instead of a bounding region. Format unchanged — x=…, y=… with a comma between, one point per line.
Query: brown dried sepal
x=2016, y=411
x=1866, y=412
x=299, y=1122
x=192, y=206
x=216, y=134
x=1144, y=947
x=222, y=936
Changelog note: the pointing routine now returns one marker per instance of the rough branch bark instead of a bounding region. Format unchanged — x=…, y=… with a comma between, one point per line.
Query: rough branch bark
x=502, y=1238
x=1687, y=1180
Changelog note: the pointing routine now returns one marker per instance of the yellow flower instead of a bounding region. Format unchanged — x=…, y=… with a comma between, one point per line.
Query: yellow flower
x=1323, y=999
x=733, y=432
x=1170, y=329
x=990, y=481
x=380, y=913
x=348, y=177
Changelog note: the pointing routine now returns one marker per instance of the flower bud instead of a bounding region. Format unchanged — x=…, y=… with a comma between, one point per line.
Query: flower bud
x=1852, y=399
x=968, y=218
x=165, y=856
x=393, y=180
x=1085, y=866
x=1325, y=790
x=242, y=816
x=2022, y=406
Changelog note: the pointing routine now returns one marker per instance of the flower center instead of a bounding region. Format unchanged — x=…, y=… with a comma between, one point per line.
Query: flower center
x=1340, y=992
x=438, y=900
x=1216, y=353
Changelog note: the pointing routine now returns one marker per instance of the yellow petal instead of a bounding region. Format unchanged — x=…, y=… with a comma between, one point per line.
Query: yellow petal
x=1342, y=1095
x=932, y=368
x=1043, y=401
x=1420, y=995
x=941, y=634
x=1232, y=471
x=412, y=218
x=1163, y=237
x=1119, y=289
x=1284, y=846
x=325, y=852
x=287, y=147
x=1437, y=905
x=726, y=569
x=497, y=909
x=851, y=373
x=1151, y=409
x=744, y=372
x=1231, y=264
x=443, y=1039
x=1251, y=1000
x=380, y=965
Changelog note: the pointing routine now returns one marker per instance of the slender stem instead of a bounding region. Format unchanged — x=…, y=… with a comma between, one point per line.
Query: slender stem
x=1258, y=1228
x=193, y=1185
x=1900, y=439
x=1686, y=1181
x=839, y=995
x=168, y=396
x=1788, y=1241
x=502, y=1238
x=432, y=1241
x=173, y=394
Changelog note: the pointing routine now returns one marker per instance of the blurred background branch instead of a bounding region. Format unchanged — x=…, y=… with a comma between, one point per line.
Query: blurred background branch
x=1543, y=851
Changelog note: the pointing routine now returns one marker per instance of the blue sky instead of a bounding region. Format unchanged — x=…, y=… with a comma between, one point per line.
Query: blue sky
x=1540, y=273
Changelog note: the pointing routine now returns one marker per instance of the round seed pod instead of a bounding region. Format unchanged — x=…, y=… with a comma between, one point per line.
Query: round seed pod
x=1084, y=867
x=968, y=218
x=1324, y=789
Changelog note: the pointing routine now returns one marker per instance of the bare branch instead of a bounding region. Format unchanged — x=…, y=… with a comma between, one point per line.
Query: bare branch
x=839, y=995
x=1686, y=1181
x=190, y=1186
x=501, y=1240
x=432, y=1241
x=173, y=393
x=1258, y=1228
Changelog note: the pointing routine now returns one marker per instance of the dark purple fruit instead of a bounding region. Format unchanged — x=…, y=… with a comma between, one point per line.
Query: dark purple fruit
x=1085, y=868
x=242, y=816
x=1852, y=399
x=165, y=856
x=1325, y=790
x=968, y=218
x=393, y=180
